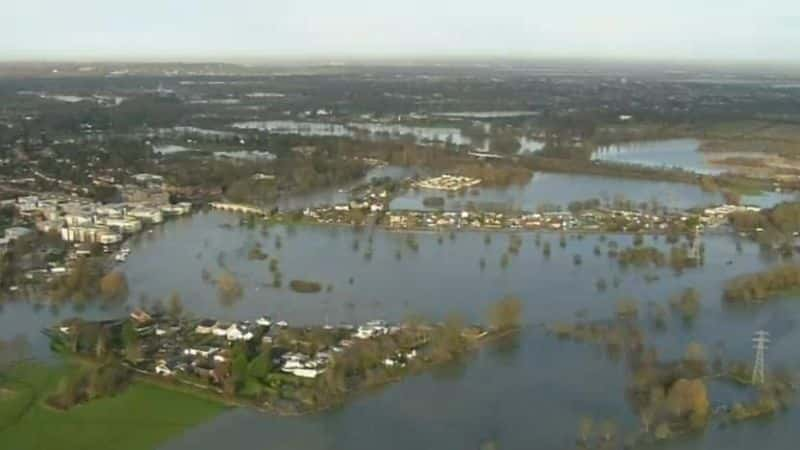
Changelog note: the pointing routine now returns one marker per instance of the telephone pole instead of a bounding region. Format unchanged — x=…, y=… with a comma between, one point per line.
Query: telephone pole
x=760, y=342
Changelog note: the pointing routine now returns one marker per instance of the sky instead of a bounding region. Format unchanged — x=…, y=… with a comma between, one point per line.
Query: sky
x=222, y=30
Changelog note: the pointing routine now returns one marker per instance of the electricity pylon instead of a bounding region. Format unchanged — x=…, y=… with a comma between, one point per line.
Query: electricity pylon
x=760, y=342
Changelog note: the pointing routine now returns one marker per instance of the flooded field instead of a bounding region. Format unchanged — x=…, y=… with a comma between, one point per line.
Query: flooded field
x=555, y=189
x=671, y=153
x=379, y=131
x=534, y=383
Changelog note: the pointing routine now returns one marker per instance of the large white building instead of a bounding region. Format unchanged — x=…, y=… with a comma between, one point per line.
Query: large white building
x=101, y=235
x=147, y=215
x=127, y=225
x=177, y=209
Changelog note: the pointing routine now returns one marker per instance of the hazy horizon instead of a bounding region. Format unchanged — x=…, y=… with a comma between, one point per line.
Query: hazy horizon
x=357, y=29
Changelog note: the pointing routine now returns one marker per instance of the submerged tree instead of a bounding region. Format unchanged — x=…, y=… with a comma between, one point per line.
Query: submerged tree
x=175, y=306
x=585, y=430
x=505, y=260
x=114, y=286
x=506, y=314
x=228, y=287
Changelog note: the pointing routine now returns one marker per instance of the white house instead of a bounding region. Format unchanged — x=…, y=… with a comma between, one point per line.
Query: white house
x=220, y=329
x=205, y=327
x=371, y=329
x=124, y=224
x=205, y=352
x=238, y=332
x=305, y=372
x=162, y=369
x=147, y=215
x=90, y=233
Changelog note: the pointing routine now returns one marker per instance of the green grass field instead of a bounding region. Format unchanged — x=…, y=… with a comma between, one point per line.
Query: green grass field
x=140, y=418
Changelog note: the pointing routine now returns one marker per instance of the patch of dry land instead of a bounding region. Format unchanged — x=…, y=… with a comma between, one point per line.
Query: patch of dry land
x=755, y=148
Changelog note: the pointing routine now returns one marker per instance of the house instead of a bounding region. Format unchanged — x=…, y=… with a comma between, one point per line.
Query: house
x=147, y=215
x=140, y=316
x=371, y=329
x=305, y=372
x=164, y=370
x=205, y=326
x=177, y=209
x=220, y=329
x=264, y=321
x=46, y=226
x=90, y=233
x=127, y=225
x=293, y=360
x=239, y=332
x=203, y=351
x=137, y=195
x=115, y=210
x=147, y=178
x=169, y=368
x=301, y=365
x=144, y=329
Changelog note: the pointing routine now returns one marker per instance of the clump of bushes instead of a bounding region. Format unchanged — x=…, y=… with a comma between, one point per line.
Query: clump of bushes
x=114, y=286
x=256, y=254
x=104, y=381
x=229, y=287
x=305, y=286
x=641, y=257
x=758, y=287
x=687, y=303
x=627, y=307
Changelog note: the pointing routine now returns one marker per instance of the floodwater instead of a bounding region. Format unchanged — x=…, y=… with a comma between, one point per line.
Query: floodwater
x=378, y=131
x=332, y=196
x=527, y=393
x=546, y=189
x=248, y=155
x=373, y=130
x=669, y=153
x=171, y=149
x=487, y=114
x=318, y=129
